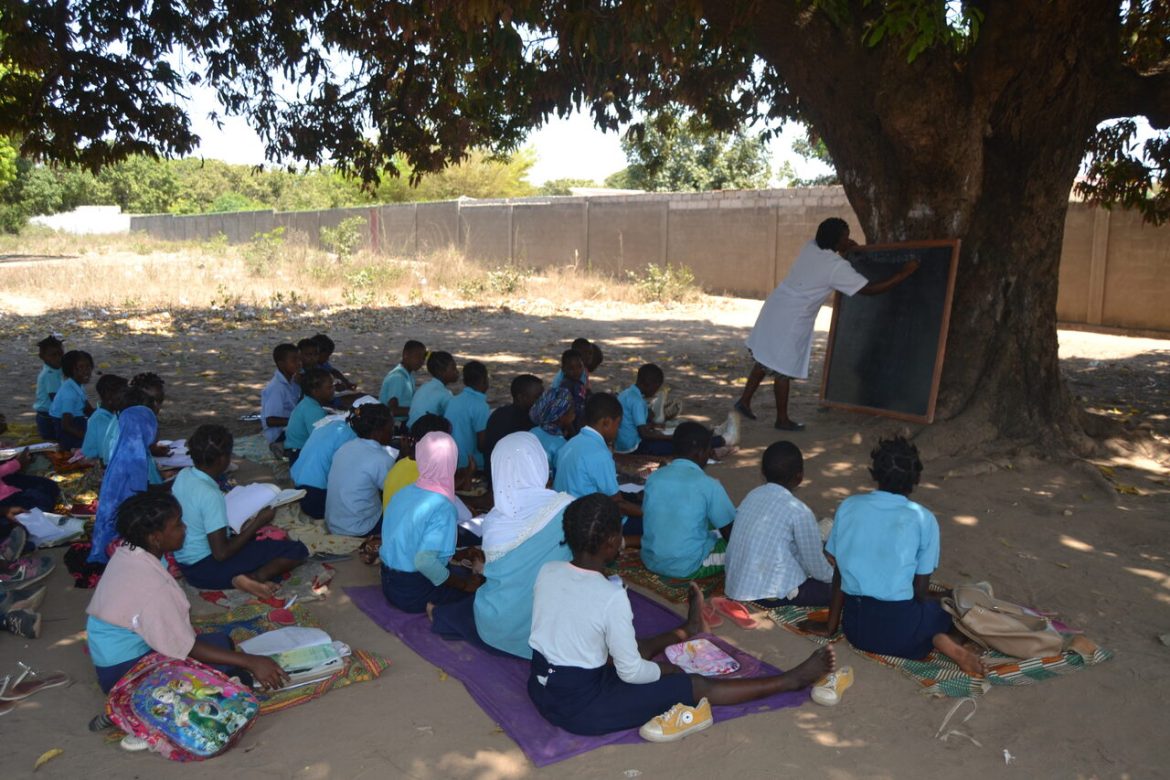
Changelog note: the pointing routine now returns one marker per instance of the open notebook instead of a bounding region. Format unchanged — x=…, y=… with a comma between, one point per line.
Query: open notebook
x=244, y=501
x=305, y=654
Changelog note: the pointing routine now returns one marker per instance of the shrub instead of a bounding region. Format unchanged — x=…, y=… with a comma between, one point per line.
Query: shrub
x=345, y=239
x=263, y=251
x=665, y=284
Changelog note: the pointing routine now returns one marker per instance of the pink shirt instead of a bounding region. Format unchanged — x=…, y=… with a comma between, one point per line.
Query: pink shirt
x=10, y=467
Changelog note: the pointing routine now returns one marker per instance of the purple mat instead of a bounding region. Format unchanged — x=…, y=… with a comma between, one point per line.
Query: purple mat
x=499, y=684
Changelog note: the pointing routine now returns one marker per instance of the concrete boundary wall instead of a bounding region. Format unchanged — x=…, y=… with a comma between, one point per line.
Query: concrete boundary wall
x=1114, y=269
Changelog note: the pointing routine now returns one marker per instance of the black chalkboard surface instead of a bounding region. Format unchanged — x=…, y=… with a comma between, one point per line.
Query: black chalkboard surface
x=885, y=352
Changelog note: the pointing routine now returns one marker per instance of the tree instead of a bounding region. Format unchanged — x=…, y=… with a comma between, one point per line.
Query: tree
x=967, y=119
x=564, y=186
x=814, y=149
x=674, y=152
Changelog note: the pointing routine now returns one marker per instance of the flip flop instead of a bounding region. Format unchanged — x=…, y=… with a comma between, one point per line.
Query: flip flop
x=23, y=687
x=746, y=412
x=737, y=612
x=714, y=620
x=791, y=425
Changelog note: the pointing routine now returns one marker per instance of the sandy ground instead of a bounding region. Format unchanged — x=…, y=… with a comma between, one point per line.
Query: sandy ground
x=1053, y=533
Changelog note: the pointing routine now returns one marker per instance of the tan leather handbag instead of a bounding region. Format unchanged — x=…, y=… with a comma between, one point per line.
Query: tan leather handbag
x=1001, y=625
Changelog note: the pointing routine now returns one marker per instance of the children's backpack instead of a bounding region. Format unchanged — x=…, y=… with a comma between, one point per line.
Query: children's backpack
x=185, y=710
x=1001, y=625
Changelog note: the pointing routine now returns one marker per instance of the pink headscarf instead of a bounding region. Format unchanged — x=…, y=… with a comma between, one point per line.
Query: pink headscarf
x=437, y=455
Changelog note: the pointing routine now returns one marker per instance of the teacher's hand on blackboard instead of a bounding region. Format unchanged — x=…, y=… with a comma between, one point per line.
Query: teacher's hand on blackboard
x=912, y=265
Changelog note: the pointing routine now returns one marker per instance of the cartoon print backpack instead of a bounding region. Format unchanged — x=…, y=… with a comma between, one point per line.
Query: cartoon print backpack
x=186, y=711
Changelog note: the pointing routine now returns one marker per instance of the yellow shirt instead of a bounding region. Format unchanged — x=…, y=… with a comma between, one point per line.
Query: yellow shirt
x=405, y=472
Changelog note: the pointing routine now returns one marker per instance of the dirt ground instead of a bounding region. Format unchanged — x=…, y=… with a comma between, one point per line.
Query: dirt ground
x=1056, y=533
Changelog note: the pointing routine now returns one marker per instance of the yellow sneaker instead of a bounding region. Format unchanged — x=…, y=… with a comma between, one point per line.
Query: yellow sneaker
x=677, y=722
x=830, y=688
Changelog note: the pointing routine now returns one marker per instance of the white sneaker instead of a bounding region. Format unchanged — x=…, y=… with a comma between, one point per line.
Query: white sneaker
x=729, y=430
x=134, y=744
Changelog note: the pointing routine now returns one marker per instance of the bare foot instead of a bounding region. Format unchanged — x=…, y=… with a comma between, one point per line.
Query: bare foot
x=696, y=623
x=970, y=662
x=262, y=590
x=821, y=662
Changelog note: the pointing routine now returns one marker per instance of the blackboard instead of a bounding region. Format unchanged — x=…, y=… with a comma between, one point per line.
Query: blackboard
x=885, y=352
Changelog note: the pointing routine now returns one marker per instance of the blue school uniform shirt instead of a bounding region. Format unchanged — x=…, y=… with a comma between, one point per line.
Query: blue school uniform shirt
x=70, y=399
x=635, y=413
x=204, y=512
x=48, y=383
x=680, y=508
x=278, y=399
x=468, y=413
x=552, y=443
x=110, y=645
x=585, y=465
x=95, y=432
x=398, y=384
x=417, y=520
x=300, y=423
x=431, y=398
x=316, y=458
x=881, y=541
x=353, y=501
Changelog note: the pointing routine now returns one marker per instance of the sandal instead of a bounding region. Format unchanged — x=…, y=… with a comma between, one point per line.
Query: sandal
x=368, y=552
x=737, y=612
x=25, y=687
x=711, y=616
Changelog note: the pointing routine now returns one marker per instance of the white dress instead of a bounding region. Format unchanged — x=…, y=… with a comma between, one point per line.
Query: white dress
x=782, y=337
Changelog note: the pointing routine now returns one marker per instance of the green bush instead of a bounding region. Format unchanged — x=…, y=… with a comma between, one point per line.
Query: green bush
x=264, y=251
x=665, y=284
x=345, y=239
x=508, y=279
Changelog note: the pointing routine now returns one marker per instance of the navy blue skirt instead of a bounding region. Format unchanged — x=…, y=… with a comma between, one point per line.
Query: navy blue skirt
x=411, y=591
x=210, y=574
x=904, y=629
x=597, y=701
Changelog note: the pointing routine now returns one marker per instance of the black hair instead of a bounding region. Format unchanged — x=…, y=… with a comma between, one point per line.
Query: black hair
x=896, y=465
x=598, y=357
x=48, y=342
x=650, y=374
x=429, y=423
x=71, y=359
x=782, y=461
x=307, y=342
x=830, y=232
x=143, y=514
x=524, y=383
x=367, y=418
x=314, y=378
x=582, y=345
x=691, y=438
x=148, y=380
x=602, y=405
x=474, y=373
x=439, y=362
x=324, y=344
x=589, y=521
x=209, y=443
x=136, y=396
x=413, y=345
x=570, y=355
x=281, y=351
x=108, y=384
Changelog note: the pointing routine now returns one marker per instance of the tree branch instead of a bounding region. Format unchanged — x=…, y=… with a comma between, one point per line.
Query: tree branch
x=1133, y=94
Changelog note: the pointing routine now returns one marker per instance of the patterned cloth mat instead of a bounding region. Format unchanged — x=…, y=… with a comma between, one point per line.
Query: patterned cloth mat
x=629, y=567
x=312, y=533
x=255, y=448
x=940, y=676
x=307, y=582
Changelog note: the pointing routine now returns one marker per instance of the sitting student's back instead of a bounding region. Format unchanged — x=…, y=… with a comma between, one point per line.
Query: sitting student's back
x=433, y=396
x=468, y=413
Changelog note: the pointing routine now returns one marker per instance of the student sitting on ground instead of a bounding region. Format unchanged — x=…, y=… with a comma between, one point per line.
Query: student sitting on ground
x=134, y=397
x=325, y=349
x=111, y=390
x=128, y=473
x=405, y=470
x=585, y=464
x=353, y=502
x=419, y=534
x=513, y=417
x=582, y=620
x=26, y=490
x=468, y=413
x=591, y=354
x=522, y=532
x=139, y=607
x=310, y=354
x=310, y=471
x=573, y=378
x=684, y=511
x=433, y=396
x=317, y=385
x=775, y=555
x=638, y=432
x=398, y=387
x=555, y=421
x=883, y=548
x=212, y=557
x=70, y=407
x=51, y=350
x=281, y=394
x=153, y=386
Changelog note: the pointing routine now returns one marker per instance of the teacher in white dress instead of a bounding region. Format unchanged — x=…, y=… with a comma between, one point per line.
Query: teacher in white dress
x=781, y=341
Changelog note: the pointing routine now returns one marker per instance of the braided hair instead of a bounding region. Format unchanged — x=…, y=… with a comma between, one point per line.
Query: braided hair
x=368, y=418
x=429, y=423
x=144, y=514
x=896, y=465
x=208, y=444
x=148, y=380
x=589, y=521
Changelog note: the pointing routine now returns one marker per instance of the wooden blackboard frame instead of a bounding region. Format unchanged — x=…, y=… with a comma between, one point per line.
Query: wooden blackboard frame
x=944, y=328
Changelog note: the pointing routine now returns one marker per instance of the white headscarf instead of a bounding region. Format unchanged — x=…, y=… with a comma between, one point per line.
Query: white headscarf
x=523, y=503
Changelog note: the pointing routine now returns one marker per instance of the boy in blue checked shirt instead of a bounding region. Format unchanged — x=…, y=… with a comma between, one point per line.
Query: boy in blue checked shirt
x=280, y=396
x=468, y=413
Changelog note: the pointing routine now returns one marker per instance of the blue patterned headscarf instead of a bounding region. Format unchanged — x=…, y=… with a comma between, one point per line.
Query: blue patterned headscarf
x=127, y=473
x=550, y=408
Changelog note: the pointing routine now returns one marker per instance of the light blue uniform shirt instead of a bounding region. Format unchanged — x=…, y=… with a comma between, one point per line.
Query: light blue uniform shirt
x=204, y=511
x=417, y=520
x=881, y=541
x=552, y=443
x=398, y=384
x=110, y=645
x=353, y=503
x=468, y=413
x=95, y=432
x=48, y=383
x=431, y=398
x=106, y=449
x=680, y=508
x=316, y=458
x=585, y=465
x=278, y=399
x=70, y=399
x=300, y=423
x=635, y=413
